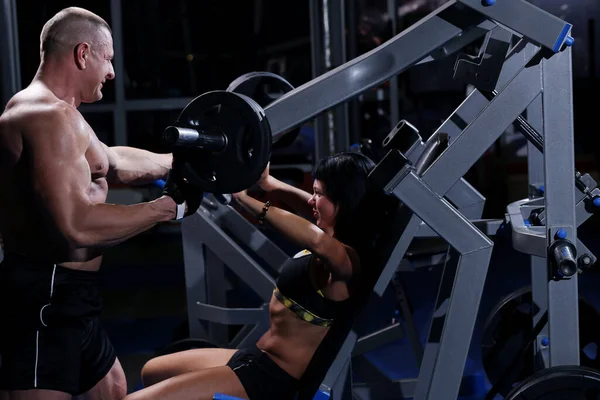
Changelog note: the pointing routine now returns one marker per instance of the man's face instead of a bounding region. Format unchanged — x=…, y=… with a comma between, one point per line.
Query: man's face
x=99, y=67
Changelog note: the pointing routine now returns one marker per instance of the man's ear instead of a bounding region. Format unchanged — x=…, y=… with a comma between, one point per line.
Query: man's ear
x=81, y=53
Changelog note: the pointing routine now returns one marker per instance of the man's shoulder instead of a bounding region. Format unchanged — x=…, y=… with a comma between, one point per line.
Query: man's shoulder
x=32, y=107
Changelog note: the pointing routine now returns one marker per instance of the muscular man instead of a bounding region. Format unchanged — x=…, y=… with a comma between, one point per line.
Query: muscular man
x=55, y=224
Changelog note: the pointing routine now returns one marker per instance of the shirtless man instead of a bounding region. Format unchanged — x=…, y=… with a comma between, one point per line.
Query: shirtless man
x=54, y=175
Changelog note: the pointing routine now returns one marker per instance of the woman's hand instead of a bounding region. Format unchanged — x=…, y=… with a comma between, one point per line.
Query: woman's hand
x=265, y=182
x=239, y=195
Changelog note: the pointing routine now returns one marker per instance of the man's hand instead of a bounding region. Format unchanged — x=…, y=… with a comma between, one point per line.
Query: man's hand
x=187, y=196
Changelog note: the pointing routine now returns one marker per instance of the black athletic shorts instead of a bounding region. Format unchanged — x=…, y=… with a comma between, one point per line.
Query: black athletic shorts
x=50, y=337
x=261, y=377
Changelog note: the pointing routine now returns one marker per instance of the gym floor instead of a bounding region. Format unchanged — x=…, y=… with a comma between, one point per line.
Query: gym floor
x=145, y=302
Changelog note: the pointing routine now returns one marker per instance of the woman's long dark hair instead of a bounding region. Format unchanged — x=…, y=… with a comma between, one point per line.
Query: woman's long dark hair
x=345, y=177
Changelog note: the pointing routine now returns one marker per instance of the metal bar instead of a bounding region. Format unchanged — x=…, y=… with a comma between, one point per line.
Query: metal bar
x=548, y=30
x=472, y=106
x=446, y=353
x=538, y=265
x=462, y=194
x=240, y=227
x=393, y=90
x=337, y=30
x=559, y=170
x=338, y=367
x=216, y=295
x=255, y=333
x=119, y=113
x=397, y=254
x=354, y=106
x=235, y=257
x=241, y=336
x=342, y=388
x=458, y=43
x=368, y=70
x=317, y=54
x=9, y=62
x=433, y=345
x=425, y=203
x=195, y=275
x=480, y=134
x=377, y=339
x=466, y=199
x=401, y=389
x=233, y=316
x=409, y=323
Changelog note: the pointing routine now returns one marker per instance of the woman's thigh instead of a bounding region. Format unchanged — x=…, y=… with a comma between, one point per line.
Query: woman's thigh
x=170, y=365
x=197, y=385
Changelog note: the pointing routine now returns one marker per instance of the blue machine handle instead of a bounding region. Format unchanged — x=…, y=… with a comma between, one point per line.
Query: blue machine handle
x=159, y=183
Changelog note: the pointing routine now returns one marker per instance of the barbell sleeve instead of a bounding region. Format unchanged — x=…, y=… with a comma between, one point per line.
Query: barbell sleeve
x=193, y=138
x=564, y=256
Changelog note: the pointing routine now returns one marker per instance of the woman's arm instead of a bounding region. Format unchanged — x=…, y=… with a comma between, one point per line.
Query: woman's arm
x=303, y=233
x=294, y=197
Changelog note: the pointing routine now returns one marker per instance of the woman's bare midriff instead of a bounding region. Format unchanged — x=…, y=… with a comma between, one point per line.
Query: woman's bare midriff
x=290, y=341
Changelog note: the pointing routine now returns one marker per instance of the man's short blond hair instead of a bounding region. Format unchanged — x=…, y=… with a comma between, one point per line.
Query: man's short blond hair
x=68, y=28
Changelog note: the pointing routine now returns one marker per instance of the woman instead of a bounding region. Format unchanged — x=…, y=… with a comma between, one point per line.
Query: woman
x=311, y=290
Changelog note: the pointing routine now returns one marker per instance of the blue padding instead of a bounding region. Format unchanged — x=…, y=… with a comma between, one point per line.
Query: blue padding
x=561, y=37
x=321, y=395
x=160, y=183
x=220, y=396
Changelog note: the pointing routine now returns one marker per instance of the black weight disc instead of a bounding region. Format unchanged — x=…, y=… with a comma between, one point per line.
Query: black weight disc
x=248, y=147
x=559, y=383
x=505, y=334
x=265, y=88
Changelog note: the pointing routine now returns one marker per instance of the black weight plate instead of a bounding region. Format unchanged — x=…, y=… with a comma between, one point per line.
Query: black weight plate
x=265, y=88
x=248, y=147
x=506, y=330
x=559, y=383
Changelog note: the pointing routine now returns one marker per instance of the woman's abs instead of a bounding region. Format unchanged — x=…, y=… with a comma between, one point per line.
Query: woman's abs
x=290, y=341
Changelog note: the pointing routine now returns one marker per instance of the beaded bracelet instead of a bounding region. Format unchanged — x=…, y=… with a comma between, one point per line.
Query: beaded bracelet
x=263, y=213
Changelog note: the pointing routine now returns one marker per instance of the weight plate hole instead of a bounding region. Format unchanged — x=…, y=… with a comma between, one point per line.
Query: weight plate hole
x=247, y=141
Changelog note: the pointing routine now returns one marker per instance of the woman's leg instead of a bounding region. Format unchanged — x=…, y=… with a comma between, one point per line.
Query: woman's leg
x=198, y=385
x=164, y=367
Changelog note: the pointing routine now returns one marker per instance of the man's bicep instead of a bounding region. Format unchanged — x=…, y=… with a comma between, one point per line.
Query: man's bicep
x=112, y=156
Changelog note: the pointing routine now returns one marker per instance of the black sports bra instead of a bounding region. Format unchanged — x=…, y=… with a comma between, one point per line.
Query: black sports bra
x=296, y=291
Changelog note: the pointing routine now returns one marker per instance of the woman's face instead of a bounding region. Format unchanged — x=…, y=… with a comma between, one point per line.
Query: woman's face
x=324, y=210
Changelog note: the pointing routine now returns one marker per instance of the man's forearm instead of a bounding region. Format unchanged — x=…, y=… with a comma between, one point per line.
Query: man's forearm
x=139, y=167
x=105, y=225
